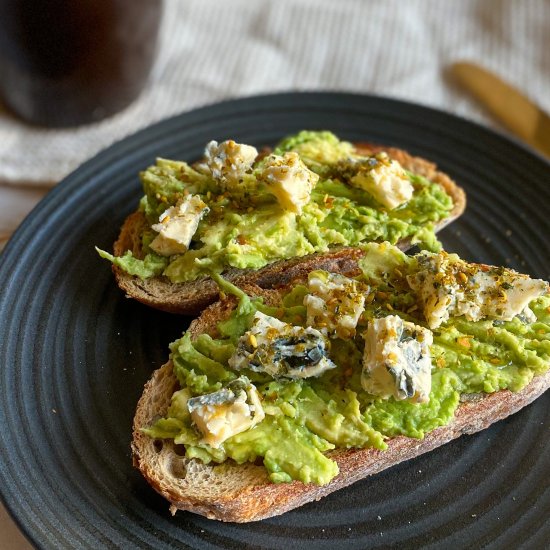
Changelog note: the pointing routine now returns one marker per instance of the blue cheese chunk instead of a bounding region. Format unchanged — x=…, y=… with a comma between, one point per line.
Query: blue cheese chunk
x=227, y=412
x=385, y=180
x=228, y=161
x=281, y=350
x=397, y=361
x=447, y=286
x=290, y=180
x=334, y=303
x=177, y=225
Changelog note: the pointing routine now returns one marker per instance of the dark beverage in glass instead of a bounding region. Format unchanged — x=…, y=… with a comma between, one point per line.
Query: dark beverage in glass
x=70, y=62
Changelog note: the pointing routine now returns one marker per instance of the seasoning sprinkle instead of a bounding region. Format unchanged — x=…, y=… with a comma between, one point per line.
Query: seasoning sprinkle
x=464, y=341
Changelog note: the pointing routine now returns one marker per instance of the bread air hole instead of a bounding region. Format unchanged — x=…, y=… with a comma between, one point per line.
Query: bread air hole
x=157, y=445
x=177, y=468
x=179, y=450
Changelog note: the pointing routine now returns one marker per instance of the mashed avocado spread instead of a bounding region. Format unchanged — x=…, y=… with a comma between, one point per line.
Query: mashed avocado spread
x=305, y=418
x=251, y=215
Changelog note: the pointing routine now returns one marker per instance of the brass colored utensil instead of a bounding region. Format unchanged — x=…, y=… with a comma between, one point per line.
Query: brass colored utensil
x=518, y=113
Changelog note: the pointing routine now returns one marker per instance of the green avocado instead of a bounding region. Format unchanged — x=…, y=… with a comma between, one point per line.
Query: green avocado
x=304, y=418
x=247, y=228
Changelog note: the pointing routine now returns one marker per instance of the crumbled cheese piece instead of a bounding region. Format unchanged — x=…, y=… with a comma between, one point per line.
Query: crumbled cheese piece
x=334, y=303
x=385, y=180
x=228, y=161
x=449, y=287
x=177, y=225
x=290, y=180
x=397, y=361
x=227, y=412
x=281, y=350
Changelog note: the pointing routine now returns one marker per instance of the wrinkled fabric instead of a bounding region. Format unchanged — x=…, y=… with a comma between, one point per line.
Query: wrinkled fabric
x=212, y=50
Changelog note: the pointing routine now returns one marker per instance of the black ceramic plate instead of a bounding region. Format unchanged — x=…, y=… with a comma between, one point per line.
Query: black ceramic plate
x=75, y=353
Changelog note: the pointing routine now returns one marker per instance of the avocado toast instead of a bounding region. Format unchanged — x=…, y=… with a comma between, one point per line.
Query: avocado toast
x=260, y=218
x=342, y=380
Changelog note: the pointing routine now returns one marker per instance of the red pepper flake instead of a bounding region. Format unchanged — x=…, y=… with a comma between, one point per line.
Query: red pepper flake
x=328, y=201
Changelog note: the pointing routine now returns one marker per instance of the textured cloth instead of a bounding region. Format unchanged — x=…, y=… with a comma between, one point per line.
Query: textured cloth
x=212, y=50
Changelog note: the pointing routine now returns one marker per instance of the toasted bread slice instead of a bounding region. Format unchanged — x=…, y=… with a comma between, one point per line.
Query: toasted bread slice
x=192, y=297
x=243, y=493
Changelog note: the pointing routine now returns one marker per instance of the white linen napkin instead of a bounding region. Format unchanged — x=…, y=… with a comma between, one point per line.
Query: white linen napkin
x=211, y=50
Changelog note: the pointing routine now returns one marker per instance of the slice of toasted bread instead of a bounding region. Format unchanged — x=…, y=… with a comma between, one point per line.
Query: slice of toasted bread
x=242, y=493
x=192, y=297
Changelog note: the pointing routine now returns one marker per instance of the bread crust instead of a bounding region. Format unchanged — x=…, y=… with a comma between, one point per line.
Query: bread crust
x=243, y=493
x=192, y=297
